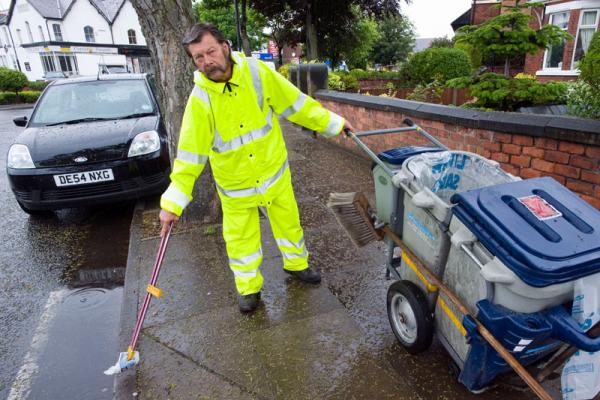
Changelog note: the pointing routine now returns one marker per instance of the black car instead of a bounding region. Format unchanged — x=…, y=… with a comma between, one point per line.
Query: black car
x=90, y=141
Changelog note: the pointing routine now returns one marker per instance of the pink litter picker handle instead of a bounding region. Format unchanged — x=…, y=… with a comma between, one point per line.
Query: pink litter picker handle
x=152, y=290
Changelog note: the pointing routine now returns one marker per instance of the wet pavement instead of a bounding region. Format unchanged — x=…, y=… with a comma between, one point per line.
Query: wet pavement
x=329, y=341
x=61, y=280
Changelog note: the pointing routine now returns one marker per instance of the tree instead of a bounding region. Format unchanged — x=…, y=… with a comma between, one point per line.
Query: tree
x=509, y=35
x=441, y=42
x=396, y=41
x=365, y=35
x=12, y=80
x=222, y=14
x=163, y=24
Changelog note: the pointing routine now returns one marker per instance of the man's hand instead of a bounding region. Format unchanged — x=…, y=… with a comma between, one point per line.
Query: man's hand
x=165, y=218
x=348, y=125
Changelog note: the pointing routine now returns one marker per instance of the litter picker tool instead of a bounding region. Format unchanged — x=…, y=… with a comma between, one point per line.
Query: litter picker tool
x=131, y=358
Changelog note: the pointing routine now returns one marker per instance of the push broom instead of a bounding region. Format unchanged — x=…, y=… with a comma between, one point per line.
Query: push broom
x=131, y=357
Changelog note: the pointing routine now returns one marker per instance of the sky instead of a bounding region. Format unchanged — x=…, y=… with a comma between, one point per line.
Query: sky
x=432, y=18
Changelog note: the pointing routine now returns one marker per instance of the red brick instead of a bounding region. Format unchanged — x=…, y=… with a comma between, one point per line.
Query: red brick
x=484, y=153
x=565, y=170
x=523, y=140
x=545, y=143
x=511, y=148
x=527, y=173
x=594, y=201
x=492, y=146
x=534, y=152
x=557, y=156
x=542, y=165
x=573, y=148
x=560, y=179
x=484, y=135
x=593, y=151
x=521, y=161
x=580, y=187
x=583, y=162
x=511, y=169
x=597, y=192
x=593, y=177
x=500, y=157
x=503, y=137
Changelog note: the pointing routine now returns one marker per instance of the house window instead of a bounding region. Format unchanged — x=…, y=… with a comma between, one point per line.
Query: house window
x=29, y=35
x=54, y=61
x=27, y=66
x=89, y=34
x=57, y=32
x=131, y=36
x=587, y=28
x=42, y=37
x=555, y=53
x=19, y=38
x=6, y=36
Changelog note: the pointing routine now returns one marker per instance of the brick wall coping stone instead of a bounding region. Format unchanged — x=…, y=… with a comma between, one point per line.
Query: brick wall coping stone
x=579, y=130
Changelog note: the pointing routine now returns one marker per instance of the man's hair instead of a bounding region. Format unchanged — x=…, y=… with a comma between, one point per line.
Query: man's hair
x=197, y=32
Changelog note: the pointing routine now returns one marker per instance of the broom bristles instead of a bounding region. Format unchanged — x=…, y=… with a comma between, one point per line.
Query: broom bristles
x=353, y=212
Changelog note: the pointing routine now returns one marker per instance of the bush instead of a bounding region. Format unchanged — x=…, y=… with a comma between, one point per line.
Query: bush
x=12, y=80
x=285, y=71
x=29, y=96
x=37, y=85
x=349, y=80
x=590, y=65
x=497, y=92
x=8, y=97
x=335, y=82
x=583, y=100
x=362, y=74
x=430, y=93
x=436, y=63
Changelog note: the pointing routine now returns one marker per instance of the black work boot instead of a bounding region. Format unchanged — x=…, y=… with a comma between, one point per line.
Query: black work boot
x=307, y=275
x=248, y=302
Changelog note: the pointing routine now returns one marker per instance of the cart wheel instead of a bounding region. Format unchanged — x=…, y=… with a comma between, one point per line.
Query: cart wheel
x=409, y=316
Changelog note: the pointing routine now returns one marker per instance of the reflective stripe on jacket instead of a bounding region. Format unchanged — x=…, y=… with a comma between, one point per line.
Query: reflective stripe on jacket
x=234, y=124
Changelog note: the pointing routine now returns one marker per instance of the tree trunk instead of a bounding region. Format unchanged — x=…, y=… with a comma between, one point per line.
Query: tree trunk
x=311, y=35
x=244, y=31
x=164, y=22
x=507, y=67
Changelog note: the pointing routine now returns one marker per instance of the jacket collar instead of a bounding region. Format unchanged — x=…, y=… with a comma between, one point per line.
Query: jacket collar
x=239, y=63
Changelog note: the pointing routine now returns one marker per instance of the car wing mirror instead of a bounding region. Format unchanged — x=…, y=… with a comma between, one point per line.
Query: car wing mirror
x=20, y=121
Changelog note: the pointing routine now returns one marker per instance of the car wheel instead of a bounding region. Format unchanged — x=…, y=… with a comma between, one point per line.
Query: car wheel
x=409, y=315
x=29, y=211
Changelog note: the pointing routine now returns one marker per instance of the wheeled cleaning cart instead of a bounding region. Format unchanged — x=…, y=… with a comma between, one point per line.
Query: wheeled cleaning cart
x=487, y=261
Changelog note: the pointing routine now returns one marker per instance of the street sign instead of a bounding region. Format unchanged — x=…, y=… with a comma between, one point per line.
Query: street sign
x=273, y=48
x=265, y=56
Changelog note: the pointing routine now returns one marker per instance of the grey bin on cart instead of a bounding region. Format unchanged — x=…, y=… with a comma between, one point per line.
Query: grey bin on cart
x=429, y=180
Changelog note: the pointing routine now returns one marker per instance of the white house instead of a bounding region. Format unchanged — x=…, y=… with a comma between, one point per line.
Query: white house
x=72, y=36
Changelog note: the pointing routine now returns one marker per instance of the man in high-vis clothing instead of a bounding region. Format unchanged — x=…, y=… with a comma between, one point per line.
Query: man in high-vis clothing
x=231, y=120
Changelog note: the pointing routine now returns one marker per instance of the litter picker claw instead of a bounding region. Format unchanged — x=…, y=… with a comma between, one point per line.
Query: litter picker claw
x=131, y=358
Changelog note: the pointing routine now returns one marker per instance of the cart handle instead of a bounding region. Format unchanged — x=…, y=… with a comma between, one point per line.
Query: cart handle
x=567, y=329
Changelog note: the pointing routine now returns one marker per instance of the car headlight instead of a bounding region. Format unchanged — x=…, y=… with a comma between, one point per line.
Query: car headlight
x=19, y=157
x=144, y=143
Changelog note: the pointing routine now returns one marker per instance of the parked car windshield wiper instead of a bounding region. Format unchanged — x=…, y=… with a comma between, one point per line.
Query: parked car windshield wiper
x=78, y=120
x=137, y=115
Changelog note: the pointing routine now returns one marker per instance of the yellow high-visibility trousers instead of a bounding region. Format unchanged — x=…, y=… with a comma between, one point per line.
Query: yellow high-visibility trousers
x=241, y=231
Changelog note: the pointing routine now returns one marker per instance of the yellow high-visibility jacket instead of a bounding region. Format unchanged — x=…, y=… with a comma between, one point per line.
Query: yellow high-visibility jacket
x=235, y=126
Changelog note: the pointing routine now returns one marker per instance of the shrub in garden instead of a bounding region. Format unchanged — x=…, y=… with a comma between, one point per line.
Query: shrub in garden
x=432, y=92
x=436, y=63
x=285, y=70
x=37, y=85
x=590, y=65
x=334, y=82
x=494, y=91
x=7, y=97
x=349, y=80
x=583, y=100
x=12, y=80
x=29, y=96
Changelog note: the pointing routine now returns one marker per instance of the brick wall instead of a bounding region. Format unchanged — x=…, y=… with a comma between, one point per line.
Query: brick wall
x=575, y=165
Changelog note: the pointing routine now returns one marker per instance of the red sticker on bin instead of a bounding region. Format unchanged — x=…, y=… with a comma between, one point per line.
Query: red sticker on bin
x=540, y=207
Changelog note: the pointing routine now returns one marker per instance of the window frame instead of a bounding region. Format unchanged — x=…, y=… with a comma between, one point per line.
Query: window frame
x=43, y=37
x=595, y=26
x=88, y=33
x=134, y=36
x=57, y=30
x=547, y=51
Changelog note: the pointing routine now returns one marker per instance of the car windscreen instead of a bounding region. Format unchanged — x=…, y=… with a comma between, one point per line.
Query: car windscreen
x=94, y=100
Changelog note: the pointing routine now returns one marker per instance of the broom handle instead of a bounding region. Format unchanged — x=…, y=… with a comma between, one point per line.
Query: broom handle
x=155, y=271
x=487, y=335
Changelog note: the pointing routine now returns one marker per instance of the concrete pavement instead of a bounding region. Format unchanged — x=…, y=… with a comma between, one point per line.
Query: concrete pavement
x=329, y=341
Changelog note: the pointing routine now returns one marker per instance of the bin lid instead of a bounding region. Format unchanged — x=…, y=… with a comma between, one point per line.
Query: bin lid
x=399, y=154
x=538, y=228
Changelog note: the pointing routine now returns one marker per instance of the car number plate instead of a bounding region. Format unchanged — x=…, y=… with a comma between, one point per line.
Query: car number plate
x=83, y=178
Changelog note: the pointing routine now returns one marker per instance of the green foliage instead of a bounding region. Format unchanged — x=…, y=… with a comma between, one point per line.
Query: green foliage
x=221, y=13
x=29, y=96
x=431, y=92
x=23, y=97
x=349, y=80
x=509, y=35
x=334, y=82
x=37, y=85
x=437, y=63
x=441, y=42
x=285, y=71
x=12, y=80
x=583, y=100
x=362, y=74
x=8, y=97
x=396, y=41
x=503, y=94
x=590, y=65
x=359, y=48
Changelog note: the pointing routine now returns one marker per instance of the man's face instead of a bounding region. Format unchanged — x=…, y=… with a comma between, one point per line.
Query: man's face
x=211, y=58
